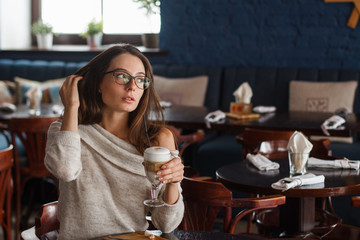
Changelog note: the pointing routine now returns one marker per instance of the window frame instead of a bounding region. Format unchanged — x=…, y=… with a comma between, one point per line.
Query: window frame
x=74, y=39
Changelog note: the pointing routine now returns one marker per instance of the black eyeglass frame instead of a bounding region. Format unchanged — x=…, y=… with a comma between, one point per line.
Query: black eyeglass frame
x=131, y=77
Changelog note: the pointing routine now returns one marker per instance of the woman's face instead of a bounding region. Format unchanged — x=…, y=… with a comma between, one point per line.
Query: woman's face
x=122, y=98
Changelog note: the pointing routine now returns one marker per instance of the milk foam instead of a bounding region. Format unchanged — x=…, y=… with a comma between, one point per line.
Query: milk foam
x=157, y=154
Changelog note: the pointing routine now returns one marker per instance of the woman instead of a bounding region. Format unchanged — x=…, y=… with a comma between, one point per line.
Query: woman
x=96, y=149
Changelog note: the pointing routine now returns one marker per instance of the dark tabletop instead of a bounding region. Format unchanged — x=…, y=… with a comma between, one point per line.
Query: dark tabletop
x=22, y=111
x=308, y=122
x=244, y=176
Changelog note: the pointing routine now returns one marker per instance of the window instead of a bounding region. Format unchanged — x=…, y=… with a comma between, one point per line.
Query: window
x=123, y=20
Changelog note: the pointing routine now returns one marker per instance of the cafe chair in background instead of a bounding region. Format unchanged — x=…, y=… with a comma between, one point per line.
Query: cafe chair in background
x=204, y=200
x=273, y=143
x=343, y=231
x=46, y=224
x=184, y=141
x=32, y=132
x=251, y=138
x=6, y=189
x=355, y=201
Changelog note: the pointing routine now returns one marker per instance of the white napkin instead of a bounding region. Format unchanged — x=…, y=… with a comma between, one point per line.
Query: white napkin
x=264, y=109
x=337, y=163
x=291, y=182
x=33, y=96
x=243, y=94
x=213, y=117
x=165, y=104
x=261, y=162
x=334, y=122
x=298, y=143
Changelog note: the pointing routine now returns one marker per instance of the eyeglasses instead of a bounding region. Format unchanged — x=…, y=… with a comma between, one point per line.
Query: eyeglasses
x=122, y=78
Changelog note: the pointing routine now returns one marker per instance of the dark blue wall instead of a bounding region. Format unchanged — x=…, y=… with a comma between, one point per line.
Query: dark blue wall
x=298, y=33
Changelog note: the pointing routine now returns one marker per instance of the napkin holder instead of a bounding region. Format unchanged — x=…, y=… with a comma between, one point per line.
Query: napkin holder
x=240, y=108
x=242, y=111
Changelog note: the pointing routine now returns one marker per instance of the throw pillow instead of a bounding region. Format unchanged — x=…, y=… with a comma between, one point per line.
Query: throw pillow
x=52, y=85
x=321, y=96
x=5, y=93
x=182, y=91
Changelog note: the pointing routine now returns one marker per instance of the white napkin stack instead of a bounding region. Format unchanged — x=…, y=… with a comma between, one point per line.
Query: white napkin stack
x=298, y=143
x=261, y=162
x=33, y=96
x=243, y=94
x=337, y=163
x=291, y=182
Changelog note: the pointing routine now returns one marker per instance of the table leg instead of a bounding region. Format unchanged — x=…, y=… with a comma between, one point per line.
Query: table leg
x=297, y=216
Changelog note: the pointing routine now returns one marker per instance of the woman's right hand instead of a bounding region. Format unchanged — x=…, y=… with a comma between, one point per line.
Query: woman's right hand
x=69, y=92
x=70, y=98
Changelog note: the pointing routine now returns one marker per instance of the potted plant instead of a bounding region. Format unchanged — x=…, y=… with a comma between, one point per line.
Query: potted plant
x=94, y=33
x=152, y=7
x=44, y=34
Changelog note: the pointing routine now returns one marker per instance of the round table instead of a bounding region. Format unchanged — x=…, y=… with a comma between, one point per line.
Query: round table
x=297, y=216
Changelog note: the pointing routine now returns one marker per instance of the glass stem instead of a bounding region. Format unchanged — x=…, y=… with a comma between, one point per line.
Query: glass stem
x=154, y=192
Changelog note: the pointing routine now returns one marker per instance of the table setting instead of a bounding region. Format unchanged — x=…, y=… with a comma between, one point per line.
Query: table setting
x=304, y=171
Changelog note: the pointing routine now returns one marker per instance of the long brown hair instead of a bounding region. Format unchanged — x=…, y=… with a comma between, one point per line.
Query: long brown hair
x=90, y=110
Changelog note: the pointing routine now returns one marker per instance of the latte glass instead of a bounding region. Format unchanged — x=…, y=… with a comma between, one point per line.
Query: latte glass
x=154, y=158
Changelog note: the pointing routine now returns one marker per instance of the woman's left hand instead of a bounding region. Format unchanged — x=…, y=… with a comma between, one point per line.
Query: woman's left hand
x=172, y=171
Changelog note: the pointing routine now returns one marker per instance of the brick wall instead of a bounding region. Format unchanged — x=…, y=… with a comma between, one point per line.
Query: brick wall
x=298, y=33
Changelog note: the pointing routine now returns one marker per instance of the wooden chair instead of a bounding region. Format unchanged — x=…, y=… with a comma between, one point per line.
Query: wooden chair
x=46, y=224
x=6, y=190
x=184, y=141
x=204, y=200
x=355, y=201
x=252, y=138
x=343, y=231
x=32, y=133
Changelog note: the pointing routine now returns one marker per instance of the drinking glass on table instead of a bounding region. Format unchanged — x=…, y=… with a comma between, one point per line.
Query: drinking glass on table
x=154, y=158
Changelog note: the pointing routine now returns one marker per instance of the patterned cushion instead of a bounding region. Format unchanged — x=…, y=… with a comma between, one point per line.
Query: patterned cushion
x=51, y=86
x=321, y=96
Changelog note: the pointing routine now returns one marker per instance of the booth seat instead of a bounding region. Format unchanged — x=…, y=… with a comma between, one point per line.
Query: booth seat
x=270, y=86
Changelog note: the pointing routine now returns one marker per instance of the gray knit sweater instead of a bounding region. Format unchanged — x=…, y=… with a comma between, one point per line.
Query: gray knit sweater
x=102, y=185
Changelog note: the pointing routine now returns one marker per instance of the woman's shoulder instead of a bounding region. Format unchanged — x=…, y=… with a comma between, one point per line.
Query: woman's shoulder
x=165, y=137
x=165, y=133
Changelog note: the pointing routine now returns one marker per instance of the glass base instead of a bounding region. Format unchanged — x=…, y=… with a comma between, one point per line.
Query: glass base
x=154, y=203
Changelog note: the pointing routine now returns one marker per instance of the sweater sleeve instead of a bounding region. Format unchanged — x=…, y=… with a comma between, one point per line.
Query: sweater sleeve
x=168, y=217
x=63, y=153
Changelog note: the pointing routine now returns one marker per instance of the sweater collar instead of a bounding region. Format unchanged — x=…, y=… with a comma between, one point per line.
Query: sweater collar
x=113, y=149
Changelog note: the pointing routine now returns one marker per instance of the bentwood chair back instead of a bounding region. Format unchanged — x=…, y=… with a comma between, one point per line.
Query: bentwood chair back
x=251, y=139
x=184, y=141
x=273, y=144
x=46, y=224
x=32, y=132
x=204, y=199
x=6, y=190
